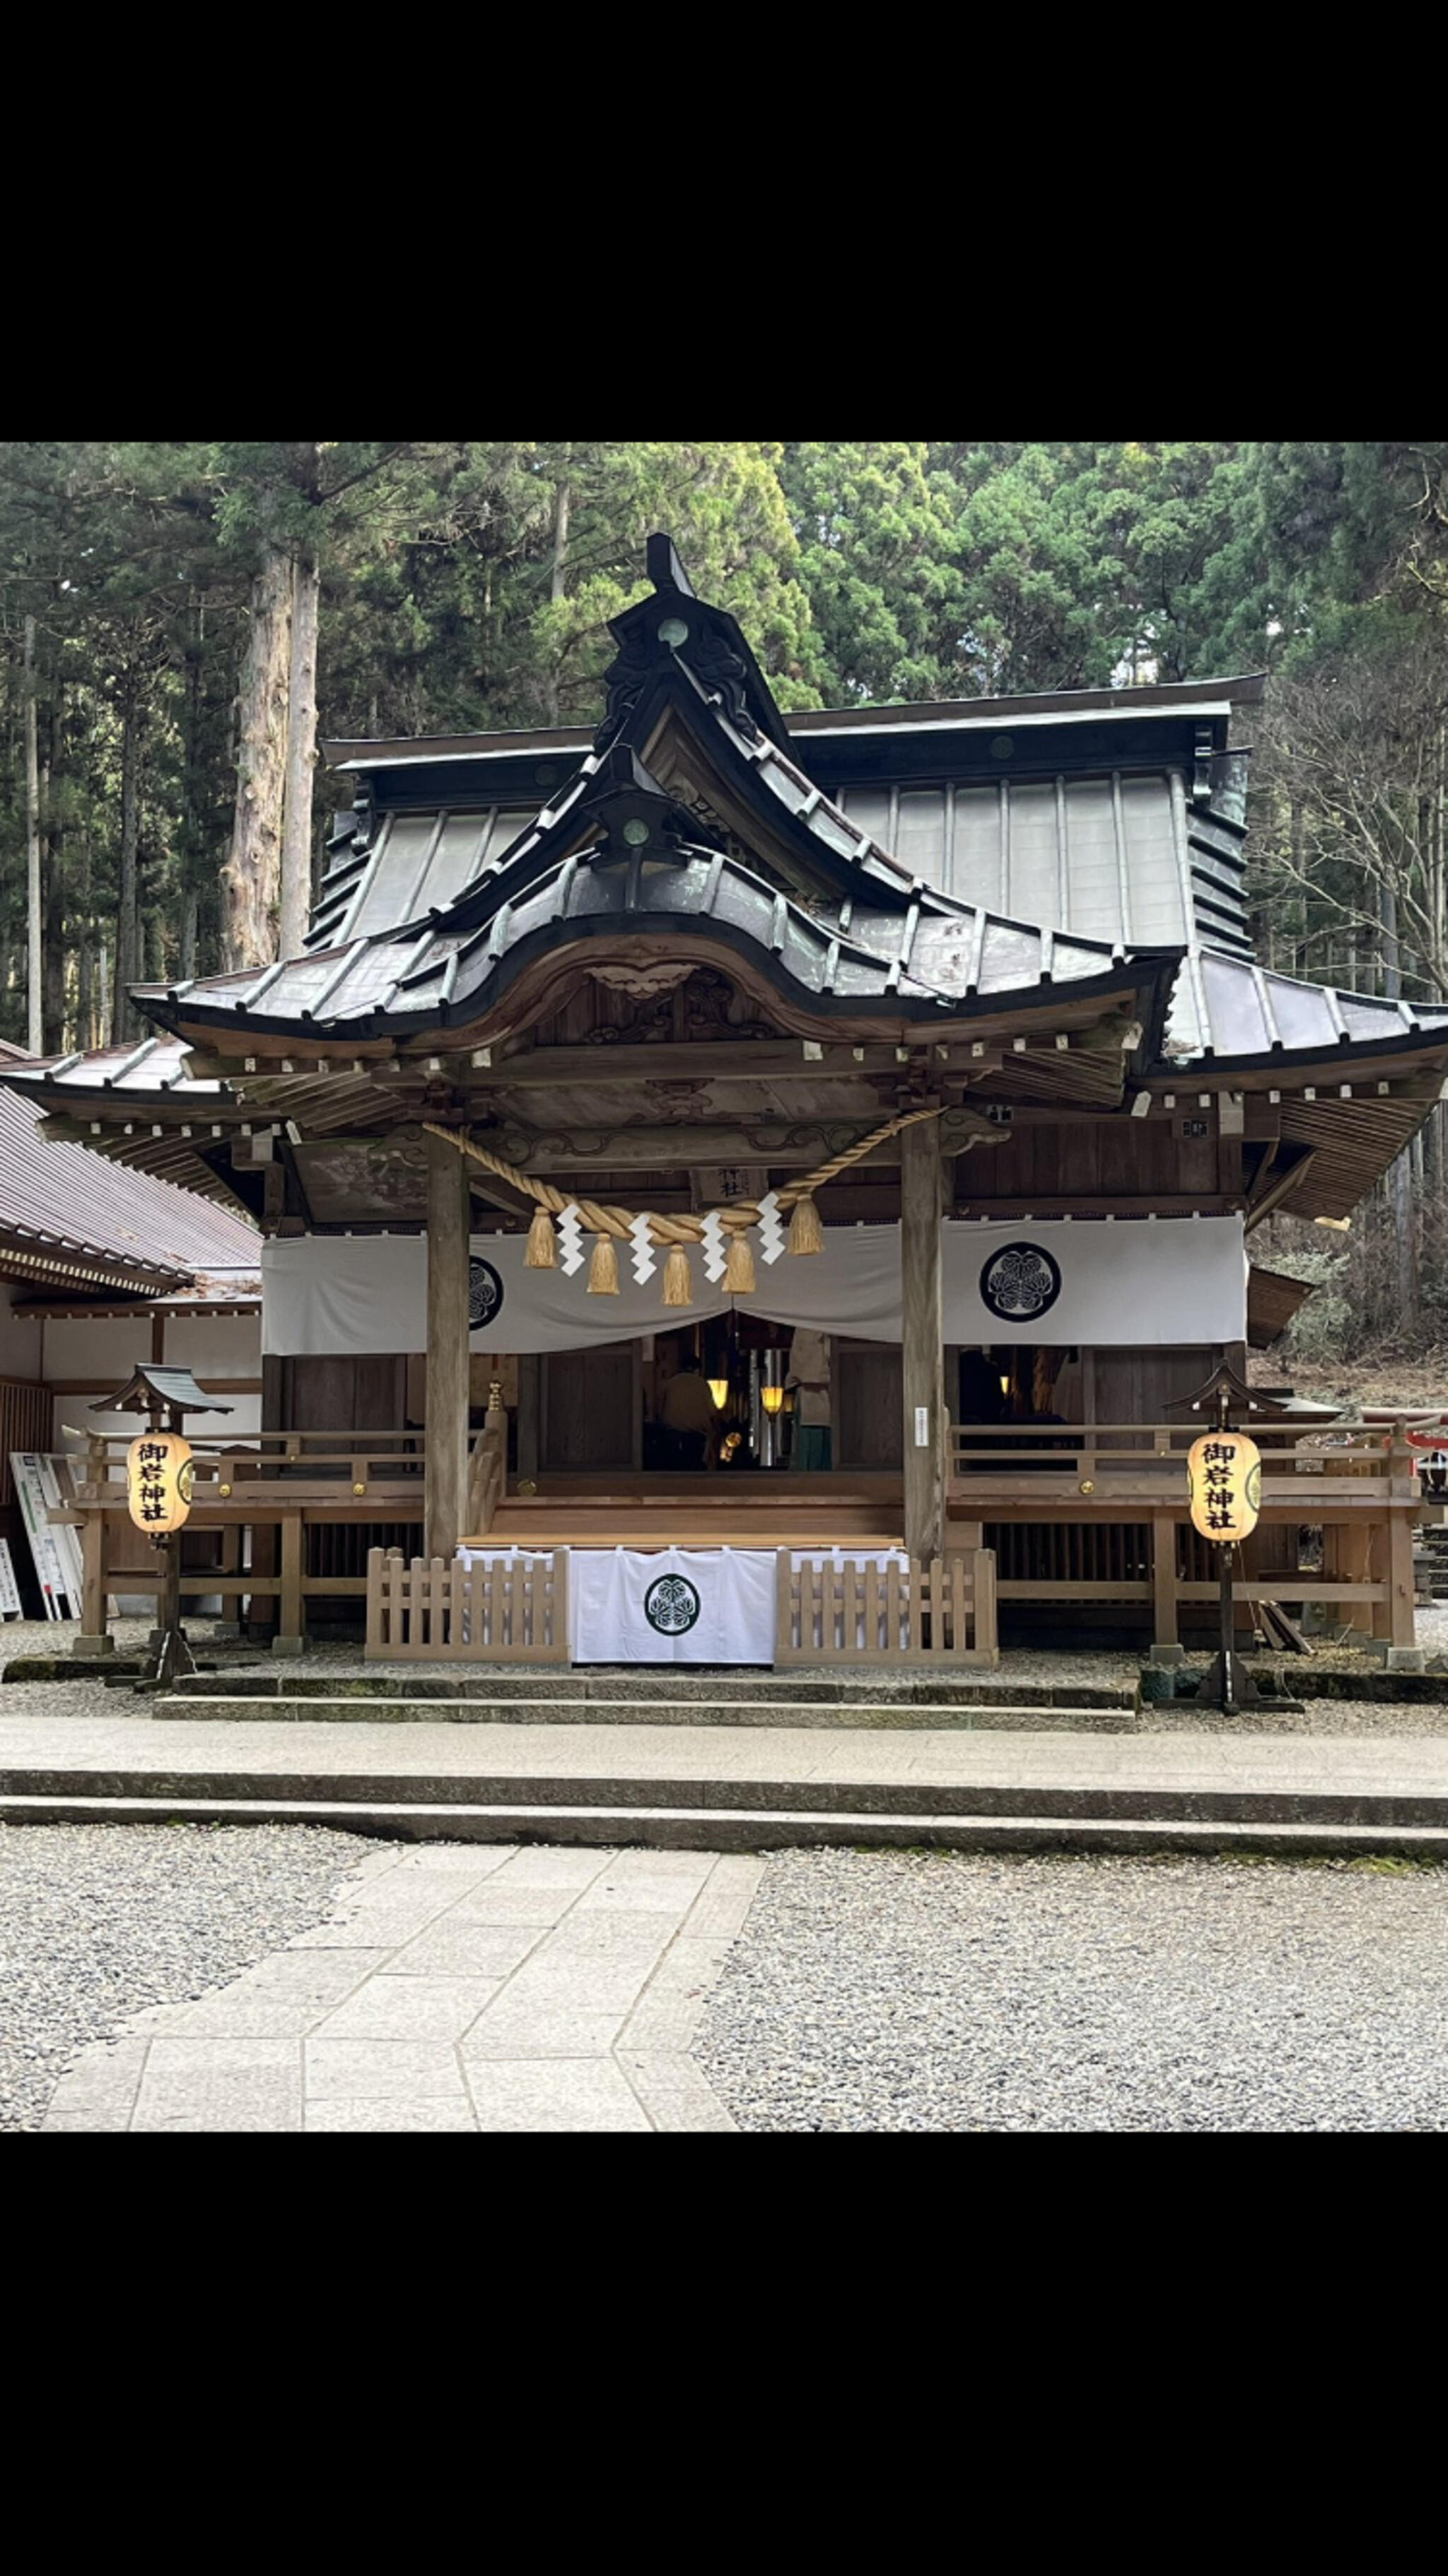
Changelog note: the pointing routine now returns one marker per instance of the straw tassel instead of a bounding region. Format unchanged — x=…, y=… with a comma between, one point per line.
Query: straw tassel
x=678, y=1279
x=542, y=1252
x=739, y=1277
x=603, y=1268
x=806, y=1234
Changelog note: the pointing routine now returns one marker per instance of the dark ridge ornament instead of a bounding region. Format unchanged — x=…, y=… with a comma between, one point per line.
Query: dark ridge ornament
x=1020, y=1282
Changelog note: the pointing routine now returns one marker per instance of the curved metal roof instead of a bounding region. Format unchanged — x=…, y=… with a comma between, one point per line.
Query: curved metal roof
x=915, y=960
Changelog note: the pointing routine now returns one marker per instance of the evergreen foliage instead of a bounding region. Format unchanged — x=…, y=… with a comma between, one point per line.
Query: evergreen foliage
x=468, y=584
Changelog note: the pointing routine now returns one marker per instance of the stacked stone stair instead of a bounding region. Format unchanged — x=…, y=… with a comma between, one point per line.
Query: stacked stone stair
x=724, y=1762
x=655, y=1697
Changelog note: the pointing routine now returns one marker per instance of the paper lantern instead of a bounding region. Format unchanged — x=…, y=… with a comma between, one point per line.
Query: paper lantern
x=772, y=1398
x=1224, y=1483
x=159, y=1473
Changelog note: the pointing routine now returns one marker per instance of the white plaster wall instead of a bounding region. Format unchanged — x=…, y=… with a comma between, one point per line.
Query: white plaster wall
x=106, y=1349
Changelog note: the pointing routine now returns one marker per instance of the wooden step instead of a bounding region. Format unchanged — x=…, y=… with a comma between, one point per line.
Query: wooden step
x=732, y=1505
x=868, y=1484
x=736, y=1522
x=624, y=1531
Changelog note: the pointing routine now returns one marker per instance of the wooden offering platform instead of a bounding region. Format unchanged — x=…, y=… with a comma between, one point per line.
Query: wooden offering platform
x=862, y=1512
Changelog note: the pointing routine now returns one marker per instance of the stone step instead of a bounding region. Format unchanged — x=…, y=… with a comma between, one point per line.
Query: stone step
x=702, y=1828
x=301, y=1791
x=681, y=1684
x=409, y=1709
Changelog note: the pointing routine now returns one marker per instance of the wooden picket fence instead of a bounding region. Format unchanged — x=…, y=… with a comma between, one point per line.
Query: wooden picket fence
x=943, y=1613
x=515, y=1613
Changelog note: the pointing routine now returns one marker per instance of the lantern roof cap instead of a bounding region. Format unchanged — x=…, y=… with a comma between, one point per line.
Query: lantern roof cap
x=151, y=1387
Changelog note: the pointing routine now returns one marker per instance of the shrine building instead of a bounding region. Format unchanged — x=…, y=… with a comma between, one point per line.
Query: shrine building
x=901, y=1076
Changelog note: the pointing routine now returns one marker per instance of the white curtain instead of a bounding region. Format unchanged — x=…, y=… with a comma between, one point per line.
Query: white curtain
x=1165, y=1280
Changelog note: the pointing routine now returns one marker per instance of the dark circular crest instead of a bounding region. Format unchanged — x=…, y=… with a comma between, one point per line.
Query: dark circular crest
x=485, y=1295
x=671, y=1605
x=1019, y=1282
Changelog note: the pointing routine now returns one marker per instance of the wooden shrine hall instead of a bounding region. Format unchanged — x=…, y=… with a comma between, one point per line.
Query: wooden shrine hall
x=902, y=1078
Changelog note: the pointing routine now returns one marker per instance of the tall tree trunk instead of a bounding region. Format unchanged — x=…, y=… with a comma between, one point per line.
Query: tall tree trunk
x=1392, y=961
x=85, y=929
x=1433, y=1130
x=128, y=924
x=56, y=959
x=1433, y=1154
x=296, y=897
x=1400, y=1177
x=562, y=502
x=558, y=578
x=251, y=878
x=192, y=855
x=34, y=999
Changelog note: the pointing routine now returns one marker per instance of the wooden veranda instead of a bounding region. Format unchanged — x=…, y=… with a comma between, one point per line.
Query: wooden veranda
x=1098, y=1516
x=1094, y=1518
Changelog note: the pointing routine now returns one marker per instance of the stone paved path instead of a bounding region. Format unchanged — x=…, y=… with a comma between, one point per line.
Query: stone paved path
x=473, y=1987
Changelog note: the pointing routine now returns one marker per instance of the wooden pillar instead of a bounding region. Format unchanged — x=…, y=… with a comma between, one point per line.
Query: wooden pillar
x=449, y=1213
x=1163, y=1580
x=1347, y=1553
x=290, y=1637
x=95, y=1637
x=530, y=1396
x=922, y=1343
x=1401, y=1628
x=1403, y=1495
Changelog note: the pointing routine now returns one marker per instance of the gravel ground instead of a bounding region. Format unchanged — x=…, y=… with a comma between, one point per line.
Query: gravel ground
x=903, y=1991
x=97, y=1921
x=1318, y=1717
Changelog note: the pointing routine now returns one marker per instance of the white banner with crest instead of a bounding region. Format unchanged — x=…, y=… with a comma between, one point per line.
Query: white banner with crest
x=1054, y=1281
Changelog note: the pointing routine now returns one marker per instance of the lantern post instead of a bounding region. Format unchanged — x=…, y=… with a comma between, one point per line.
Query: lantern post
x=173, y=1647
x=1224, y=1483
x=1224, y=1681
x=159, y=1469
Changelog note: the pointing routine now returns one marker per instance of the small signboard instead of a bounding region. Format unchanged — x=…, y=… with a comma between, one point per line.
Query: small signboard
x=10, y=1605
x=53, y=1547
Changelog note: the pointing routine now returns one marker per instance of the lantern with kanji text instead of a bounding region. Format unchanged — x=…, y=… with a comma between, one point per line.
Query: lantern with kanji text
x=1224, y=1486
x=159, y=1473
